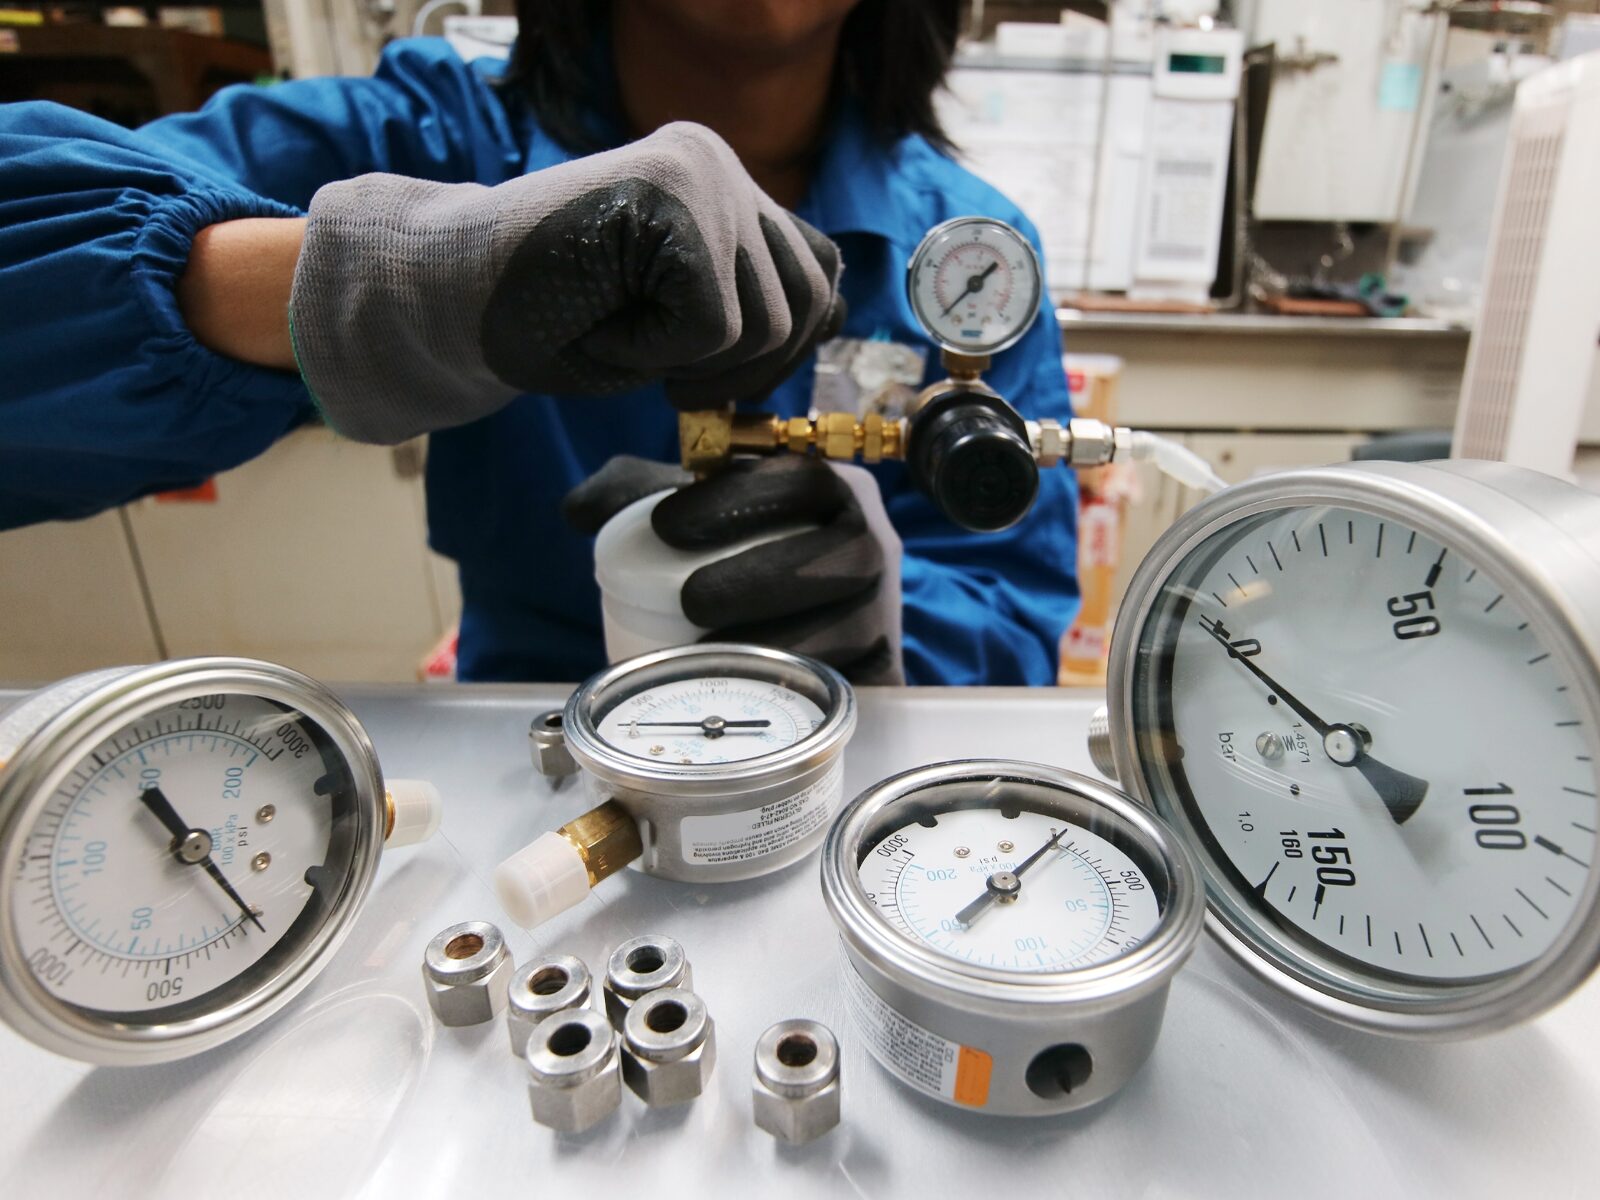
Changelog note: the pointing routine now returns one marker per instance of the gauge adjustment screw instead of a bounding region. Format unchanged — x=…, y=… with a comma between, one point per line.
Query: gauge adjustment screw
x=467, y=969
x=574, y=1080
x=541, y=988
x=669, y=1047
x=642, y=965
x=796, y=1090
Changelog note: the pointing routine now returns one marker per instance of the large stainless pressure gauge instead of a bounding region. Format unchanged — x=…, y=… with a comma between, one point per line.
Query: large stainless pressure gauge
x=182, y=848
x=1368, y=696
x=706, y=763
x=1009, y=931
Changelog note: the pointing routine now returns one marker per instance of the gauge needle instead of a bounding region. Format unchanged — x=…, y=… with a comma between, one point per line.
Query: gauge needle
x=712, y=727
x=1005, y=885
x=1344, y=745
x=974, y=284
x=192, y=847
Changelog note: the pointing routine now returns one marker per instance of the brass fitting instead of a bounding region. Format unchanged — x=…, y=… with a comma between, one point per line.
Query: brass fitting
x=708, y=439
x=606, y=838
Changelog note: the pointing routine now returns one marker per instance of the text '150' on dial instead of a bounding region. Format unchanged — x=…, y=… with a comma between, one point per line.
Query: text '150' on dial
x=975, y=285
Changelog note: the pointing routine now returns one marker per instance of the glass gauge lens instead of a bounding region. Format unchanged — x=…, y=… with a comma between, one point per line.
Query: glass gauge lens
x=975, y=285
x=183, y=857
x=1380, y=756
x=711, y=720
x=1010, y=889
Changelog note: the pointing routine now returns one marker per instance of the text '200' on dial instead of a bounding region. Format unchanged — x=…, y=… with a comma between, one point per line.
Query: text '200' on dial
x=1372, y=734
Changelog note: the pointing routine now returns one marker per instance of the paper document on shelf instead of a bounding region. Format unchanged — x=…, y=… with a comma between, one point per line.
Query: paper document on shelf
x=1033, y=135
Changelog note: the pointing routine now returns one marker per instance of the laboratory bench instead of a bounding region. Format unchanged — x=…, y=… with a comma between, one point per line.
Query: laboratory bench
x=356, y=1090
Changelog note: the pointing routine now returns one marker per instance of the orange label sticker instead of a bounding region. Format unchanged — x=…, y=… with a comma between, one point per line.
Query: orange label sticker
x=973, y=1068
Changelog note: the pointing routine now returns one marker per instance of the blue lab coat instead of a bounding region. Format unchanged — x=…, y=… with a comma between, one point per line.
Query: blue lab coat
x=109, y=397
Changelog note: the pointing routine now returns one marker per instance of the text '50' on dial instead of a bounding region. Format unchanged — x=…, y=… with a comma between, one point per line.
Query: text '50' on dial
x=975, y=285
x=1368, y=732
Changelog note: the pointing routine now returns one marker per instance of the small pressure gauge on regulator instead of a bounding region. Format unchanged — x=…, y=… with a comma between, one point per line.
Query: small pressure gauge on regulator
x=975, y=285
x=182, y=849
x=707, y=763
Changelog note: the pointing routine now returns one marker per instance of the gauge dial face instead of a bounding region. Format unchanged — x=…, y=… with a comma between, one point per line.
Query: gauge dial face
x=1013, y=890
x=1373, y=744
x=138, y=872
x=695, y=722
x=975, y=285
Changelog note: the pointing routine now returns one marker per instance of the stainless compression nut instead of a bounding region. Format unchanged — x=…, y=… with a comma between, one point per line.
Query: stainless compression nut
x=796, y=1092
x=547, y=746
x=640, y=965
x=669, y=1047
x=539, y=988
x=467, y=969
x=573, y=1077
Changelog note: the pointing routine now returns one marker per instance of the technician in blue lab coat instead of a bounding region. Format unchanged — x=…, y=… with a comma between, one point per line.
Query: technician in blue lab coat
x=539, y=324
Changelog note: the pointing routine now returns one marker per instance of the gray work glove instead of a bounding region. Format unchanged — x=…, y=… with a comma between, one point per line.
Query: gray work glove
x=832, y=592
x=418, y=306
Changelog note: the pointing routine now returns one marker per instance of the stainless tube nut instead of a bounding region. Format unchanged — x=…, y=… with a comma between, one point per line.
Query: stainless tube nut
x=547, y=746
x=796, y=1093
x=539, y=988
x=641, y=965
x=573, y=1078
x=467, y=969
x=669, y=1047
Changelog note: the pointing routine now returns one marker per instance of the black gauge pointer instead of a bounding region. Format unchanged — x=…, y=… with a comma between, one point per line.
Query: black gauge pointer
x=1004, y=885
x=1344, y=745
x=192, y=847
x=712, y=727
x=974, y=285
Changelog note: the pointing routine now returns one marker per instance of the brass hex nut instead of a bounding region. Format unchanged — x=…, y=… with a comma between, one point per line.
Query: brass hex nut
x=642, y=965
x=669, y=1047
x=573, y=1078
x=467, y=970
x=836, y=435
x=796, y=1090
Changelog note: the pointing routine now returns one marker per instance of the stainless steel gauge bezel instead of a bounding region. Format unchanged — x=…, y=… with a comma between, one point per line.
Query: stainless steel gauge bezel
x=820, y=683
x=925, y=247
x=1536, y=536
x=47, y=756
x=1013, y=1015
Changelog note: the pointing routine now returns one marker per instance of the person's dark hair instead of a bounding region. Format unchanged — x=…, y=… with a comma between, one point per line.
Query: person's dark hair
x=893, y=55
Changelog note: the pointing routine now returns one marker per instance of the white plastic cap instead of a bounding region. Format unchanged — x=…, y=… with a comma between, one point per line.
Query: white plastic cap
x=545, y=877
x=417, y=811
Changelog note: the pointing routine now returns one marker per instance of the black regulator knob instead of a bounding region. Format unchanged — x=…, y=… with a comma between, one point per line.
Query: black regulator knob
x=968, y=450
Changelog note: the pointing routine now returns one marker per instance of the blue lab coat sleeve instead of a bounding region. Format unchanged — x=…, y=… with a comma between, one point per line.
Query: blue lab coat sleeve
x=991, y=608
x=108, y=395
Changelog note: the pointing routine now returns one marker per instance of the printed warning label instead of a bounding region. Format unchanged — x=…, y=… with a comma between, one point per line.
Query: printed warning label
x=756, y=832
x=919, y=1056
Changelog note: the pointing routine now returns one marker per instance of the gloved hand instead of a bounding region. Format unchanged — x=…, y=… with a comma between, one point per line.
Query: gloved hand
x=831, y=592
x=418, y=306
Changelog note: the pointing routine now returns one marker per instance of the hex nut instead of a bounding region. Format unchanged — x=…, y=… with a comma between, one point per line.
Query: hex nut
x=573, y=1077
x=467, y=970
x=641, y=965
x=669, y=1047
x=540, y=988
x=796, y=1090
x=1054, y=444
x=547, y=746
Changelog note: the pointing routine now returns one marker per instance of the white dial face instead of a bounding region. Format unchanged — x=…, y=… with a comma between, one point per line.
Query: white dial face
x=1026, y=892
x=975, y=286
x=695, y=722
x=1374, y=743
x=138, y=872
